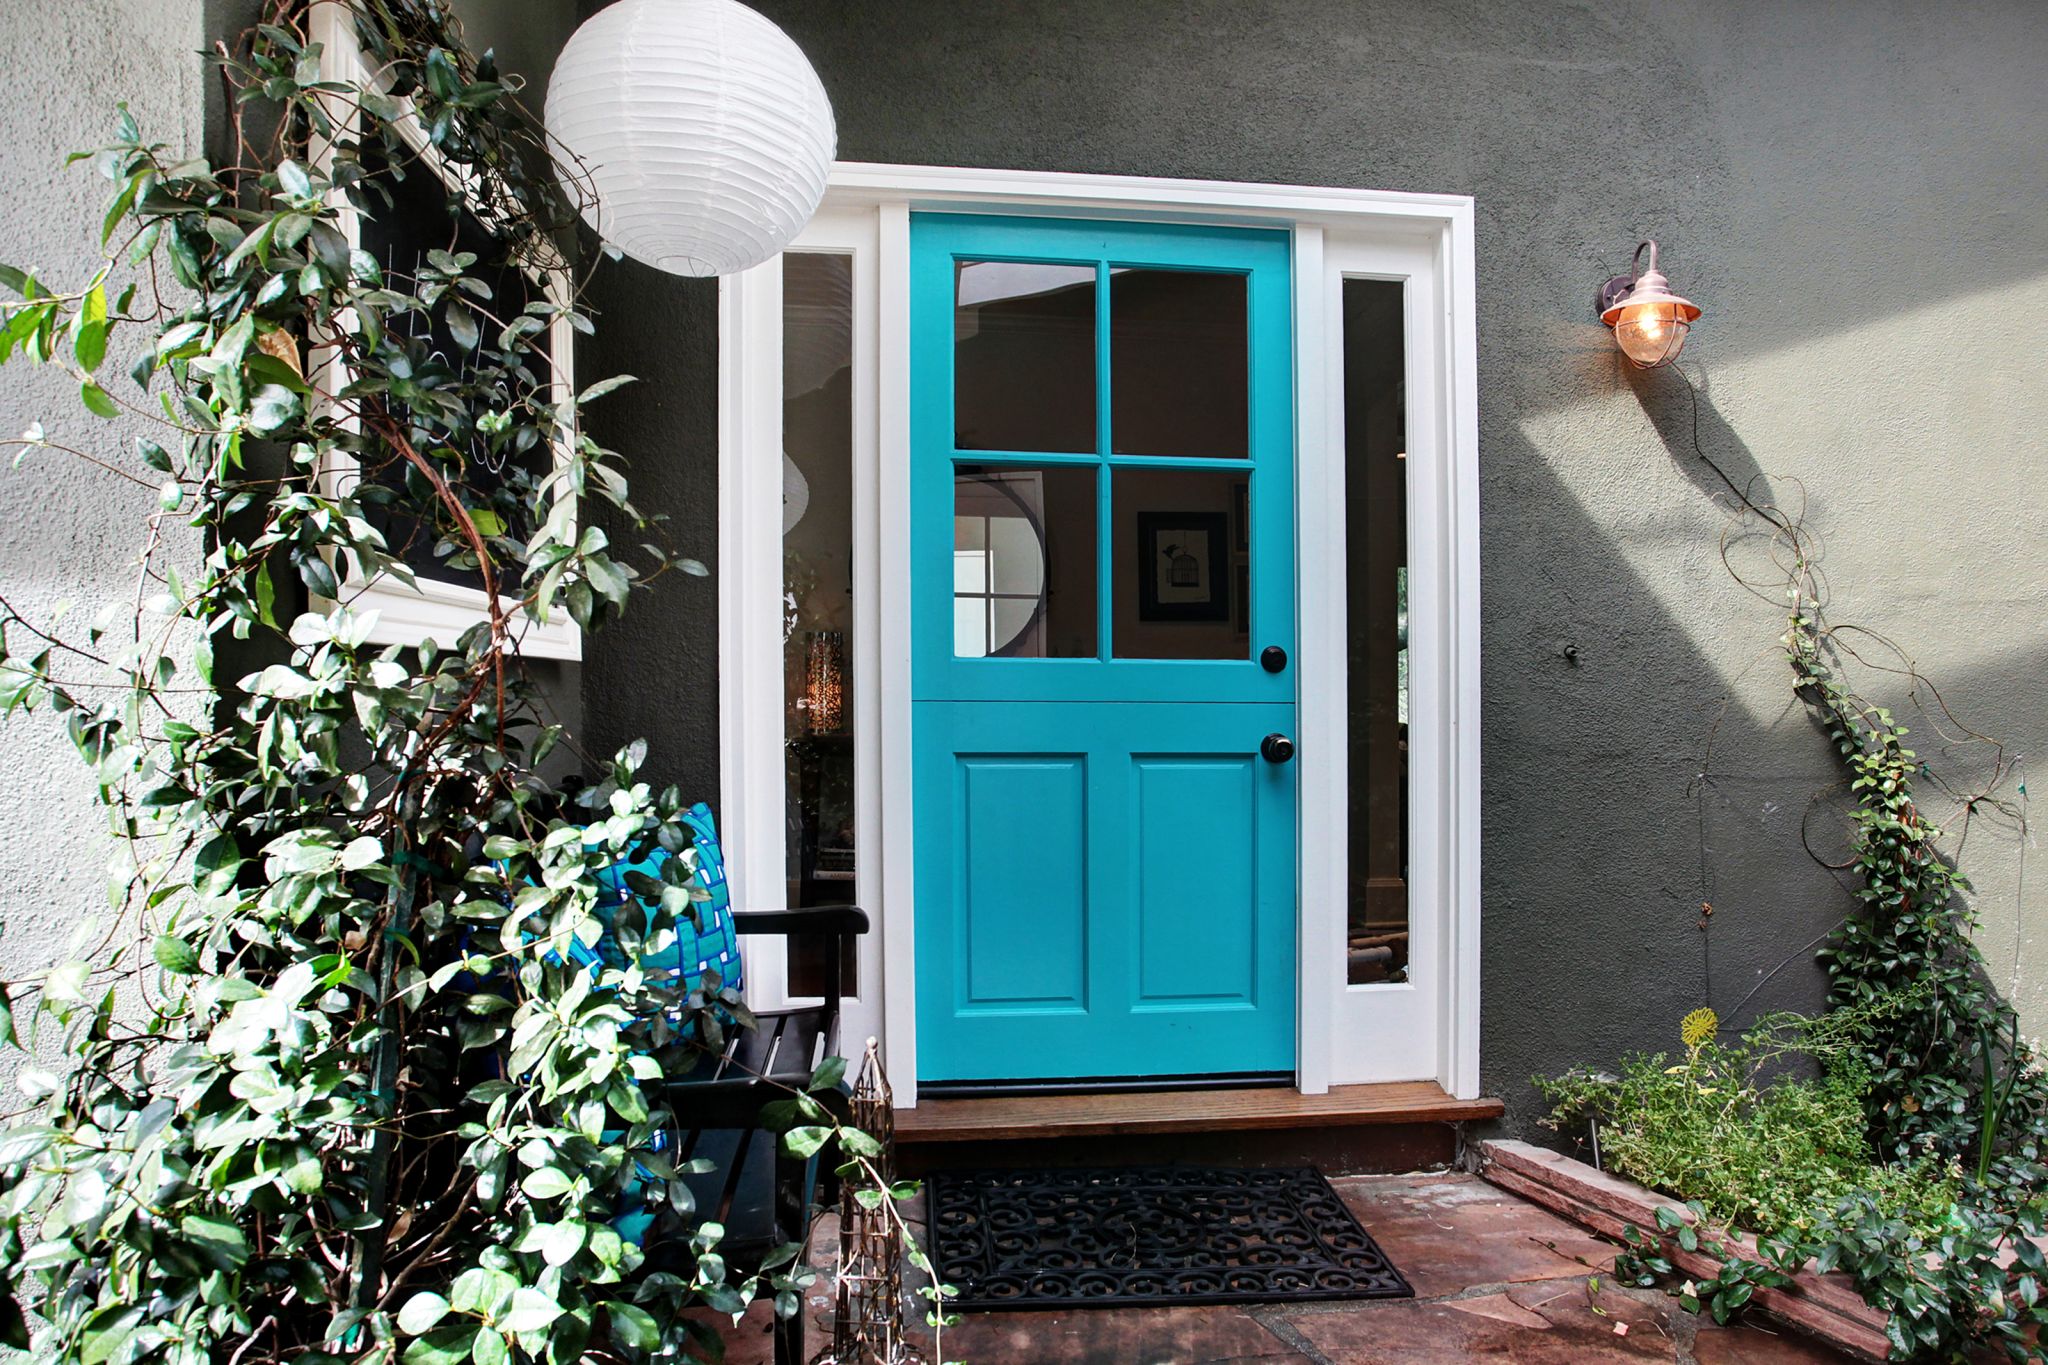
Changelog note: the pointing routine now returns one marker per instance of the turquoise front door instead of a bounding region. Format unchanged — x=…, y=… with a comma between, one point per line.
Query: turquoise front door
x=1102, y=638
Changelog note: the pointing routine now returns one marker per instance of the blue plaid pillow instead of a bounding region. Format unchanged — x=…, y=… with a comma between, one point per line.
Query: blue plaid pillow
x=711, y=943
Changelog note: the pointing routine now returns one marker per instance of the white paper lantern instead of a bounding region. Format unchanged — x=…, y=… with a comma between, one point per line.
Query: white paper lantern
x=702, y=127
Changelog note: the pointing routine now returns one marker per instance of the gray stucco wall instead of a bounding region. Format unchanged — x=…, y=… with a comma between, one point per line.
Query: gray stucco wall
x=69, y=531
x=1854, y=192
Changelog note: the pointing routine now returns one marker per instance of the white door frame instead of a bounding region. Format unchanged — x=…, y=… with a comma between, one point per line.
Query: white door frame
x=1425, y=1028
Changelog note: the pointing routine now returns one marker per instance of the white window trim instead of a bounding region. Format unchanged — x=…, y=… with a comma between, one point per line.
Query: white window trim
x=431, y=609
x=1419, y=1029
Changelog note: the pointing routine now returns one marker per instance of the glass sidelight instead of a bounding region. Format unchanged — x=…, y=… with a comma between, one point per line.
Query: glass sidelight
x=820, y=837
x=1376, y=590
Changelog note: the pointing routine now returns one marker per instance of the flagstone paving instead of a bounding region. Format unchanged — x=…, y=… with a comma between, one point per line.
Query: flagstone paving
x=1495, y=1277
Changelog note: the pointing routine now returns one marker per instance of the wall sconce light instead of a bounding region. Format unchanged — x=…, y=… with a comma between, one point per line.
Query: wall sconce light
x=1649, y=321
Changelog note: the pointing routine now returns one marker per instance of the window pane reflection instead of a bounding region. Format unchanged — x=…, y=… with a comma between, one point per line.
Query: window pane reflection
x=1179, y=363
x=1024, y=356
x=818, y=624
x=1376, y=582
x=1023, y=563
x=1183, y=577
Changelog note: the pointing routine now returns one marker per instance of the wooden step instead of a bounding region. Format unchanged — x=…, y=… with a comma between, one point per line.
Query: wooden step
x=1183, y=1111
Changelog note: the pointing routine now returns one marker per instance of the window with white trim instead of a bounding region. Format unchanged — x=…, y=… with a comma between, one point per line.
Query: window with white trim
x=432, y=211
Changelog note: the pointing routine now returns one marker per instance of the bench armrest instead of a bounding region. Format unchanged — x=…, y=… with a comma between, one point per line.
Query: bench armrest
x=842, y=922
x=818, y=919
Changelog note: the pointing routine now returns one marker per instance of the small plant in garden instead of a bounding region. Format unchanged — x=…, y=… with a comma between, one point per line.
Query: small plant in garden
x=1762, y=1155
x=334, y=1087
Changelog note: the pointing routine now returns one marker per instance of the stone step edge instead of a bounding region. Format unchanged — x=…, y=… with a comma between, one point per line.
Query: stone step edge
x=1826, y=1307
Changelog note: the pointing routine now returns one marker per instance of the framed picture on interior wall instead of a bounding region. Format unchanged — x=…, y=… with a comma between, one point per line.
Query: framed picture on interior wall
x=1183, y=567
x=1240, y=529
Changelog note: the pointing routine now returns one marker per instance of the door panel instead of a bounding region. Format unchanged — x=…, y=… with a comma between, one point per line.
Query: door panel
x=1022, y=890
x=1124, y=908
x=1181, y=803
x=1101, y=546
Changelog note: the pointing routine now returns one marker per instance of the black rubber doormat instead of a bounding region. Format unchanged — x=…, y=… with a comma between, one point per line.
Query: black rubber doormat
x=1150, y=1235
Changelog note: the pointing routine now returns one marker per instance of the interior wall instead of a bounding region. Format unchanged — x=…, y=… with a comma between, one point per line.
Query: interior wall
x=1850, y=188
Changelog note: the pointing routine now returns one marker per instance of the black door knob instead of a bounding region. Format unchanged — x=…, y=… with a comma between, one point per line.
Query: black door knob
x=1272, y=658
x=1276, y=748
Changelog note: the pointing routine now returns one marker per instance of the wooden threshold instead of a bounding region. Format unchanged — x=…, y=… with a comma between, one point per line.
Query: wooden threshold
x=1183, y=1111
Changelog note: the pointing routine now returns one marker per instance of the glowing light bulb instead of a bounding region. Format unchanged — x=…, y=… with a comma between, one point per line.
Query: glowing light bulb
x=1649, y=321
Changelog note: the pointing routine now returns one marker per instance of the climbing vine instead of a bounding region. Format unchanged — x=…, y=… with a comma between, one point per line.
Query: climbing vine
x=334, y=1083
x=1917, y=1036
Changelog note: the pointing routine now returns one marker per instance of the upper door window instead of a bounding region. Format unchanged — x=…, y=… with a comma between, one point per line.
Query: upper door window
x=1135, y=543
x=1024, y=356
x=1179, y=357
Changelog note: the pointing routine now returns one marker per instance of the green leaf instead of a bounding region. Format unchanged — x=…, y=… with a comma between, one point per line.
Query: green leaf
x=633, y=1327
x=805, y=1141
x=549, y=1182
x=90, y=346
x=482, y=1291
x=97, y=401
x=421, y=1313
x=223, y=1242
x=604, y=386
x=489, y=1348
x=66, y=981
x=461, y=325
x=531, y=1311
x=107, y=1333
x=175, y=955
x=272, y=408
x=449, y=1346
x=829, y=1073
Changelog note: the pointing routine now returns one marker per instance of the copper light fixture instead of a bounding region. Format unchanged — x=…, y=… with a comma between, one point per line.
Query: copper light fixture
x=1649, y=321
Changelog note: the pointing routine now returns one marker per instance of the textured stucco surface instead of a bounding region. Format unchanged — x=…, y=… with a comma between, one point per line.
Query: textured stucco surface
x=1853, y=190
x=69, y=531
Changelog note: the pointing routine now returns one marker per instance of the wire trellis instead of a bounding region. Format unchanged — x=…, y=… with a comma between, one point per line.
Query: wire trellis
x=867, y=1322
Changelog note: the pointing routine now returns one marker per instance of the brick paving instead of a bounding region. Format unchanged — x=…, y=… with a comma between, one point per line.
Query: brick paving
x=1496, y=1278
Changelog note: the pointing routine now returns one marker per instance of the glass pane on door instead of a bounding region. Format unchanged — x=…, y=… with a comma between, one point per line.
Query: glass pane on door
x=1179, y=363
x=1024, y=356
x=1183, y=571
x=1024, y=562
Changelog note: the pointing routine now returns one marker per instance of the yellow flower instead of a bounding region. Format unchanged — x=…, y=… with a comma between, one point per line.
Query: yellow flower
x=1699, y=1027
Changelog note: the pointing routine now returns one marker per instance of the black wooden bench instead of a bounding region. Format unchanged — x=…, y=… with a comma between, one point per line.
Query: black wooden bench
x=761, y=1195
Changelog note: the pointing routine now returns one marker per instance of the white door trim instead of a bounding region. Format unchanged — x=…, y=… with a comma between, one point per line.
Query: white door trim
x=1417, y=1030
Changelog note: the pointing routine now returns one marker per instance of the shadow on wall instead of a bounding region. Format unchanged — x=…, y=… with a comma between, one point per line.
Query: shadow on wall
x=1613, y=911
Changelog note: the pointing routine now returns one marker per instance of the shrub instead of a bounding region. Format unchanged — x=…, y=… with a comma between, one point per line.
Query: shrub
x=1766, y=1157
